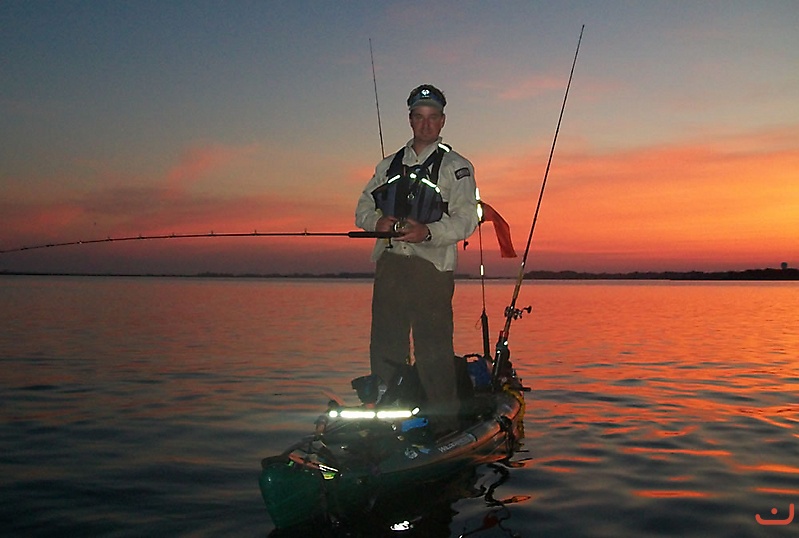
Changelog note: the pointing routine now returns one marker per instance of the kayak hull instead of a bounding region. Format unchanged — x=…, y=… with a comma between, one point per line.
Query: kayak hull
x=343, y=472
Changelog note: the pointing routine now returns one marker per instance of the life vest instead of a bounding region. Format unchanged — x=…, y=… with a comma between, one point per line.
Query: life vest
x=412, y=191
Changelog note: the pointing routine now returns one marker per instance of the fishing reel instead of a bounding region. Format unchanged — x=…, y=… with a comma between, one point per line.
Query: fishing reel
x=400, y=226
x=517, y=313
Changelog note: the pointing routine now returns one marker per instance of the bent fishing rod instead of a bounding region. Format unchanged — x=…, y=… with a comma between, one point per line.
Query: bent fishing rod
x=357, y=234
x=502, y=353
x=353, y=234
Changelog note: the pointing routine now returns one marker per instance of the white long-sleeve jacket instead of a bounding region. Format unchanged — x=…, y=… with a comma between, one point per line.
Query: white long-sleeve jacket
x=458, y=189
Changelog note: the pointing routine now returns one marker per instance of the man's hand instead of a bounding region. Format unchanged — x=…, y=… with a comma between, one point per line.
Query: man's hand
x=385, y=224
x=412, y=231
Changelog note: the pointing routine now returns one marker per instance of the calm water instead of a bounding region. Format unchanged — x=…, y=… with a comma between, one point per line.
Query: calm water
x=142, y=407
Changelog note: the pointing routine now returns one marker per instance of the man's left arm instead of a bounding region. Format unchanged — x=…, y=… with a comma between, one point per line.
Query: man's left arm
x=459, y=222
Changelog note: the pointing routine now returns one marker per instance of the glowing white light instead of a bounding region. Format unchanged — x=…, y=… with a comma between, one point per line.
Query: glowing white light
x=399, y=413
x=402, y=526
x=365, y=414
x=352, y=413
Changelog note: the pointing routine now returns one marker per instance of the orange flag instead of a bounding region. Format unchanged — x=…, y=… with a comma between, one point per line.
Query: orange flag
x=502, y=229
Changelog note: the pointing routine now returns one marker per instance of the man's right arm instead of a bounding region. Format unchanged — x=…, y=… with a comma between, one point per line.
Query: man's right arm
x=366, y=213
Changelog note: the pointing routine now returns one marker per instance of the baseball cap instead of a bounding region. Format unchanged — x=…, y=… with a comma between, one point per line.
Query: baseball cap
x=427, y=95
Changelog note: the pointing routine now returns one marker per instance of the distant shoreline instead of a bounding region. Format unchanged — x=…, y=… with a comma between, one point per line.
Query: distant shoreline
x=748, y=274
x=768, y=274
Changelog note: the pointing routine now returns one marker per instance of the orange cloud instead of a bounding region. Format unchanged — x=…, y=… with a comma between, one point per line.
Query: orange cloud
x=735, y=199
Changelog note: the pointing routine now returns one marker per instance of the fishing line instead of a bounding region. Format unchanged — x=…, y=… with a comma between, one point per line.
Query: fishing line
x=502, y=355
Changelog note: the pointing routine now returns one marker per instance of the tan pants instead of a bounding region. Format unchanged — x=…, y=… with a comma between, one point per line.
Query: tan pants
x=411, y=298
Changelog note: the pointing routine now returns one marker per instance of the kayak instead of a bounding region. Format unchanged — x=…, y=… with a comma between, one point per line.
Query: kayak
x=357, y=457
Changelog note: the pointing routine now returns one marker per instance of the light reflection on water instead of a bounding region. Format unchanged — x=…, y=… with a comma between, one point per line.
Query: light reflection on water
x=138, y=407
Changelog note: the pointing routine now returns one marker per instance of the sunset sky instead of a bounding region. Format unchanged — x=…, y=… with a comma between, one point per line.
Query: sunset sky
x=679, y=148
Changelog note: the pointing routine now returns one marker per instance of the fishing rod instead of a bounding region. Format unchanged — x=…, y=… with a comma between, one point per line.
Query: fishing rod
x=358, y=234
x=353, y=234
x=377, y=104
x=502, y=353
x=483, y=314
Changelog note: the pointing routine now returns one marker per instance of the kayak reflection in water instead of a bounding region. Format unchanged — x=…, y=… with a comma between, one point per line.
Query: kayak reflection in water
x=424, y=511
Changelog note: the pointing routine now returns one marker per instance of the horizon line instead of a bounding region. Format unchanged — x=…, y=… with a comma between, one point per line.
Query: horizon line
x=768, y=273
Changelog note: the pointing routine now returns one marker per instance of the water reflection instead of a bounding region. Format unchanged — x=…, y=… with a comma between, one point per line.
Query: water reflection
x=428, y=510
x=143, y=406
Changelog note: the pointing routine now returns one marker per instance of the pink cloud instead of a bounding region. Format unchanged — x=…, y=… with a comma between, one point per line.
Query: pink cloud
x=529, y=87
x=199, y=162
x=28, y=220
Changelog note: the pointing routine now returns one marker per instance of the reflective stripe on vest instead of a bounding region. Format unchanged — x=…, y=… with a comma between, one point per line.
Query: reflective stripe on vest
x=412, y=191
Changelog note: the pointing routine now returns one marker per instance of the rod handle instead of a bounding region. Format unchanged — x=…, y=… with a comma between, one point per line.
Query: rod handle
x=358, y=234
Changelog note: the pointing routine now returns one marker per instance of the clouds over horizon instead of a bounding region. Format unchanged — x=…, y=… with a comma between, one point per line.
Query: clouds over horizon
x=678, y=144
x=656, y=200
x=653, y=202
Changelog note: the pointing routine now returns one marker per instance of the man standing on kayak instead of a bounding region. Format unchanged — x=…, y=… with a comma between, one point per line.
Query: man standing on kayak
x=426, y=193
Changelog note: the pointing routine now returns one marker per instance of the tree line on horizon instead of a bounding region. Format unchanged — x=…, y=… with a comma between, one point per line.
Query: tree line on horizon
x=784, y=273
